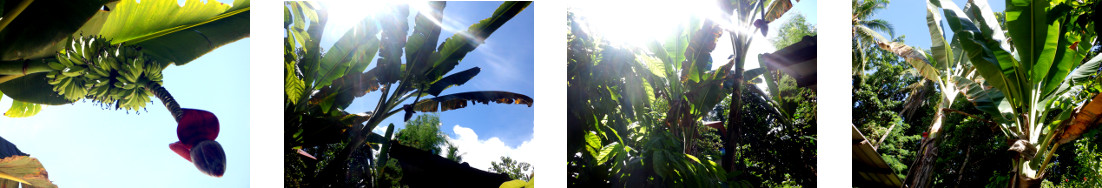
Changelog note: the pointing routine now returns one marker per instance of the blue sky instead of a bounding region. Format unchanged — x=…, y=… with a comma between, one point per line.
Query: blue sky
x=909, y=19
x=482, y=132
x=82, y=145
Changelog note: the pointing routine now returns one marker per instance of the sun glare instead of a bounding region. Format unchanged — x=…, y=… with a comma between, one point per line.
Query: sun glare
x=636, y=24
x=344, y=15
x=351, y=12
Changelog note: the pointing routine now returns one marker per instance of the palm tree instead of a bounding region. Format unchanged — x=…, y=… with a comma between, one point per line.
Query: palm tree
x=865, y=29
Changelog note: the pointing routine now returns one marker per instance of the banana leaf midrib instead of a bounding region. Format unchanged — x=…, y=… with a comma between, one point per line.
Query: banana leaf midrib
x=171, y=30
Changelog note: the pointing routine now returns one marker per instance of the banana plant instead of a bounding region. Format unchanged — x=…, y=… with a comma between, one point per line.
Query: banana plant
x=635, y=112
x=939, y=68
x=320, y=85
x=748, y=17
x=1023, y=82
x=112, y=53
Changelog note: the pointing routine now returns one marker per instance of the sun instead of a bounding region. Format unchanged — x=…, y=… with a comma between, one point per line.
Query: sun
x=636, y=24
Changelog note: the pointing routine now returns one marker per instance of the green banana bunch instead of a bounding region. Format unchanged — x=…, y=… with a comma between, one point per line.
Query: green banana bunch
x=92, y=68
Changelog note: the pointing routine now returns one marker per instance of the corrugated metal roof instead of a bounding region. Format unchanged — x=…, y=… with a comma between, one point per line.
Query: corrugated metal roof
x=869, y=170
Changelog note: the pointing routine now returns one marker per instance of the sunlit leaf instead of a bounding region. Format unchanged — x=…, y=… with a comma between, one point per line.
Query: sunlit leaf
x=293, y=87
x=940, y=49
x=593, y=143
x=351, y=54
x=22, y=109
x=609, y=151
x=25, y=168
x=915, y=57
x=18, y=168
x=1085, y=118
x=177, y=34
x=777, y=9
x=516, y=184
x=986, y=55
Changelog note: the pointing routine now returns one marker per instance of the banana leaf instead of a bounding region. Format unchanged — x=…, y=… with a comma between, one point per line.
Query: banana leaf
x=17, y=168
x=460, y=100
x=39, y=29
x=176, y=34
x=449, y=53
x=351, y=54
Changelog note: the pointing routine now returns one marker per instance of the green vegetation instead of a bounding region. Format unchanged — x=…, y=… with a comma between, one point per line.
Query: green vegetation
x=656, y=115
x=1009, y=88
x=516, y=170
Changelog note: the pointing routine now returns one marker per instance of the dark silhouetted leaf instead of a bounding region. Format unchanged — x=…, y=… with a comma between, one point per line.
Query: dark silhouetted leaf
x=37, y=30
x=422, y=43
x=32, y=88
x=460, y=100
x=457, y=46
x=452, y=80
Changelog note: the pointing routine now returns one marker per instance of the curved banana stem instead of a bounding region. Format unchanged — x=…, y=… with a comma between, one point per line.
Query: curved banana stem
x=25, y=67
x=11, y=14
x=161, y=93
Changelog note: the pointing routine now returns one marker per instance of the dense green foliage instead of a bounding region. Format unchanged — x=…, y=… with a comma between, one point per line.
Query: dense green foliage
x=774, y=152
x=793, y=30
x=515, y=169
x=423, y=132
x=877, y=102
x=640, y=116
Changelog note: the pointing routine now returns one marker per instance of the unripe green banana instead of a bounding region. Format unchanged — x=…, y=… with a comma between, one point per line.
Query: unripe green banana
x=114, y=74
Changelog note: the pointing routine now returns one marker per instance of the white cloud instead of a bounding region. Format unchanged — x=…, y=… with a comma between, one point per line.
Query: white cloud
x=481, y=153
x=381, y=129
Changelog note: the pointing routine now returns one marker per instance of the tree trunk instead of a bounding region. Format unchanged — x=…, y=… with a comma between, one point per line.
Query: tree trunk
x=734, y=119
x=921, y=172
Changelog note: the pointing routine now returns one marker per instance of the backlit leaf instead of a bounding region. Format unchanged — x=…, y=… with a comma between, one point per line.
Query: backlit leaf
x=293, y=87
x=22, y=109
x=17, y=167
x=177, y=34
x=351, y=54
